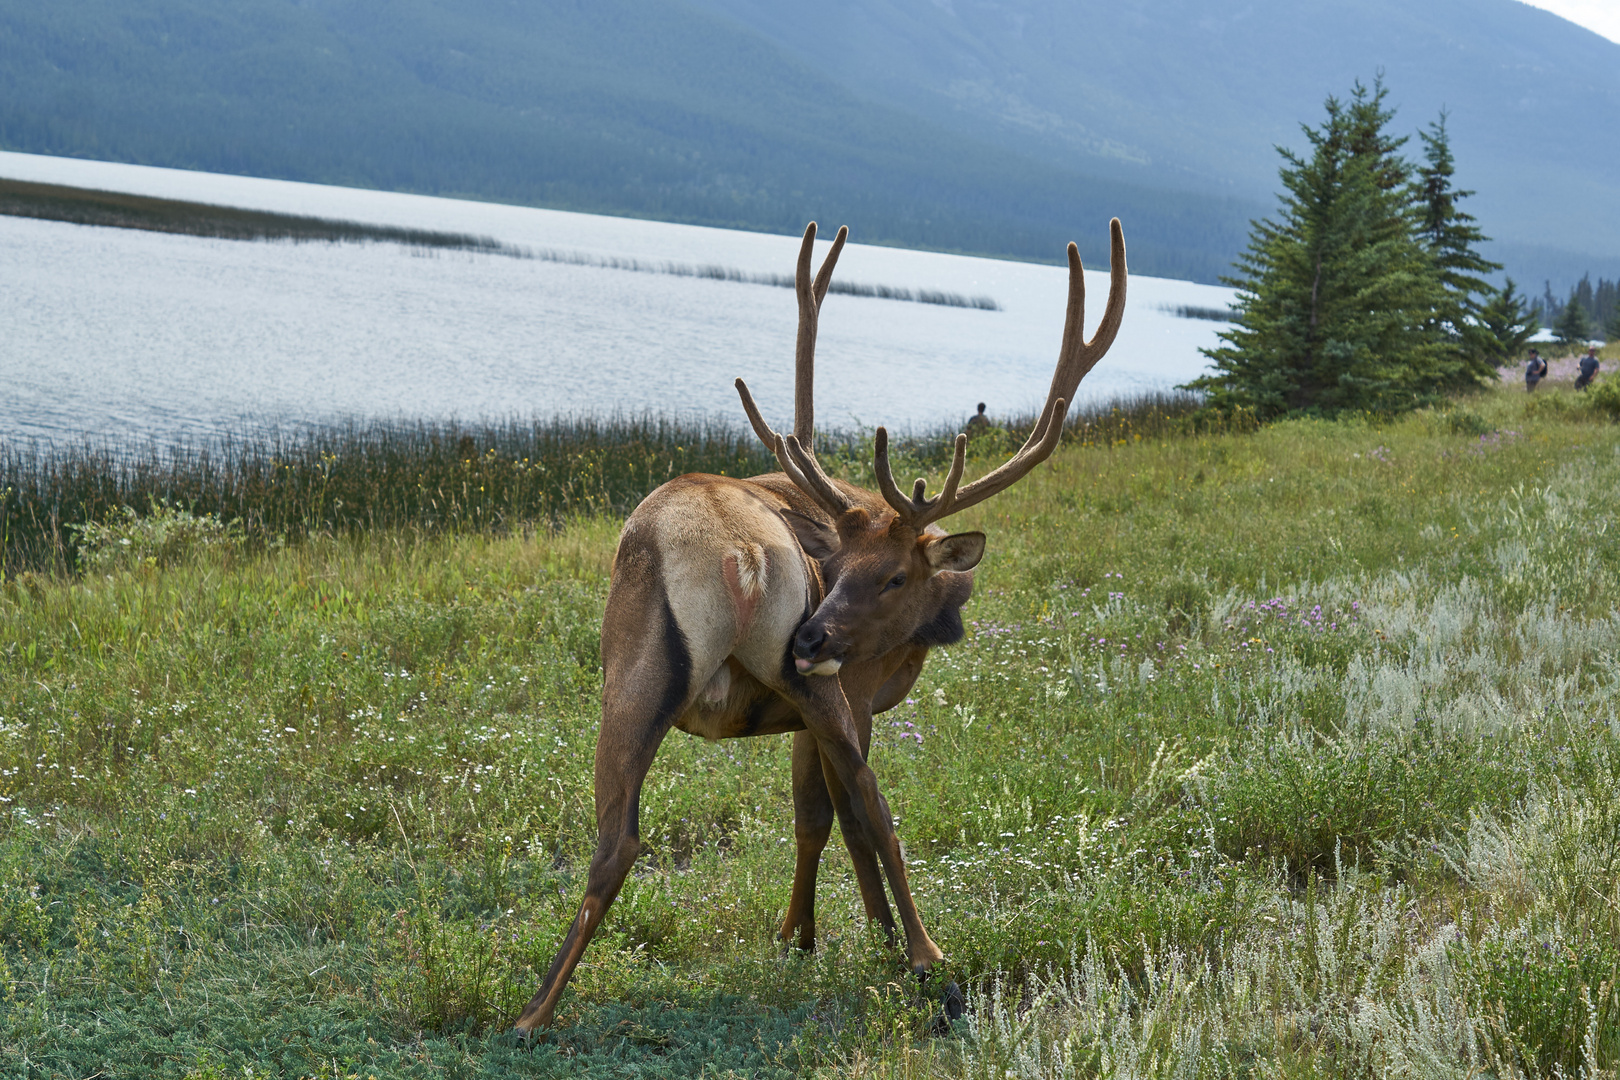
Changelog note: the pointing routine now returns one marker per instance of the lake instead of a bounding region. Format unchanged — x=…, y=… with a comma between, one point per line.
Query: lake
x=127, y=335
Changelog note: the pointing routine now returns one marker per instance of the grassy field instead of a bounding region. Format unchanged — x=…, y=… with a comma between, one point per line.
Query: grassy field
x=1290, y=753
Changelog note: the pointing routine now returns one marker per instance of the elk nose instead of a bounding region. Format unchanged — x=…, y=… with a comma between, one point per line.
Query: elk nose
x=809, y=641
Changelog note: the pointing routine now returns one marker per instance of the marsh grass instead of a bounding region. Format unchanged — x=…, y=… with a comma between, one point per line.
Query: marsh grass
x=281, y=487
x=1291, y=752
x=1195, y=311
x=66, y=509
x=120, y=210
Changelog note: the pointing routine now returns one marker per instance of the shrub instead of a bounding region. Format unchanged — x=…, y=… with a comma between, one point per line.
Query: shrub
x=1551, y=1005
x=1307, y=801
x=166, y=536
x=1605, y=398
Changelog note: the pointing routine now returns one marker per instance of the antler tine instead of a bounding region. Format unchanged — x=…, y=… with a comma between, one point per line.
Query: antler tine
x=796, y=453
x=1076, y=358
x=1113, y=313
x=824, y=275
x=801, y=468
x=885, y=477
x=755, y=419
x=820, y=487
x=945, y=502
x=810, y=293
x=917, y=511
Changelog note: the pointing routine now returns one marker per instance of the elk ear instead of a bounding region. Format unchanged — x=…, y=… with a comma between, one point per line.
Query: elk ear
x=959, y=551
x=818, y=540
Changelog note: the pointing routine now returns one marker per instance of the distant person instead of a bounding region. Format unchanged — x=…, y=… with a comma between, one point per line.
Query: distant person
x=979, y=423
x=1534, y=371
x=1589, y=366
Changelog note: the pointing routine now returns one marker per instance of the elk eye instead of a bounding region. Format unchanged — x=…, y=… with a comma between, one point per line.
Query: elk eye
x=895, y=582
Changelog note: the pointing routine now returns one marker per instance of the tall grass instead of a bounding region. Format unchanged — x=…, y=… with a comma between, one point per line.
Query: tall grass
x=435, y=477
x=1196, y=311
x=363, y=476
x=716, y=272
x=120, y=210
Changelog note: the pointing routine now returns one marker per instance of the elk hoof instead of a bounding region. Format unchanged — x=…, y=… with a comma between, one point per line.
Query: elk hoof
x=954, y=1003
x=952, y=1006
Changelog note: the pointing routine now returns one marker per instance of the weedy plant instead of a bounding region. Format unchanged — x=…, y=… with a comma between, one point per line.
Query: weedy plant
x=162, y=537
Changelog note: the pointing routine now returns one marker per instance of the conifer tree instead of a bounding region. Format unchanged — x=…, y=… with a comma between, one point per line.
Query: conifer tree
x=1506, y=325
x=1583, y=295
x=1451, y=235
x=1336, y=295
x=1605, y=298
x=1572, y=327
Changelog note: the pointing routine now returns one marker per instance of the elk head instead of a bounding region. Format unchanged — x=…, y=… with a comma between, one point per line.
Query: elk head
x=889, y=570
x=885, y=582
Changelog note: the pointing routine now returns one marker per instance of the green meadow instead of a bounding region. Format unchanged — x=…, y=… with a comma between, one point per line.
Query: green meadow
x=1280, y=752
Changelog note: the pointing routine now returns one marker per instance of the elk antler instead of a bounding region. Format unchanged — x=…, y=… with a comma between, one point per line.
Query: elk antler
x=796, y=452
x=1076, y=357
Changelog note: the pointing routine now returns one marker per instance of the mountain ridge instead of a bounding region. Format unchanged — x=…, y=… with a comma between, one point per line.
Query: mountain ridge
x=711, y=113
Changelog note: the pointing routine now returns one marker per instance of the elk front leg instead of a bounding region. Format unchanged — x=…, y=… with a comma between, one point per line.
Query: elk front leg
x=884, y=684
x=863, y=855
x=816, y=795
x=812, y=825
x=624, y=753
x=870, y=688
x=827, y=716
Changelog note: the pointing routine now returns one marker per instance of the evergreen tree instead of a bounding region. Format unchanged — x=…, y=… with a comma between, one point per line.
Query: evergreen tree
x=1572, y=327
x=1605, y=298
x=1583, y=296
x=1451, y=236
x=1611, y=326
x=1506, y=324
x=1337, y=294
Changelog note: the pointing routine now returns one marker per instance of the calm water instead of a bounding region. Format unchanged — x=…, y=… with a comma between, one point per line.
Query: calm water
x=133, y=335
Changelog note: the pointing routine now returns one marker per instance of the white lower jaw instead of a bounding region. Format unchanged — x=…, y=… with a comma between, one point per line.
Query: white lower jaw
x=826, y=667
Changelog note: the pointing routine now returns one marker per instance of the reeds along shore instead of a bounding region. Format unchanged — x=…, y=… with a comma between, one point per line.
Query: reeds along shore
x=120, y=210
x=436, y=477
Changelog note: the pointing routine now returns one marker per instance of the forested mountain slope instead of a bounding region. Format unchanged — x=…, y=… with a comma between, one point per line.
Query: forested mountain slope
x=1000, y=129
x=618, y=106
x=1187, y=93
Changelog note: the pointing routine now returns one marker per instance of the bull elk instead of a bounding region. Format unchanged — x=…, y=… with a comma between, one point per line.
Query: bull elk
x=794, y=602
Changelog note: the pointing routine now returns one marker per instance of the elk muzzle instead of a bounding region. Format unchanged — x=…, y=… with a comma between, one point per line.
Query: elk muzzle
x=812, y=646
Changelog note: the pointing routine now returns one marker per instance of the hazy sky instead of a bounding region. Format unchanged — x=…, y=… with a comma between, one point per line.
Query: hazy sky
x=1599, y=16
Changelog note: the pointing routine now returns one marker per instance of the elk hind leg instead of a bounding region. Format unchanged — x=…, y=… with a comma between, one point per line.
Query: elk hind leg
x=618, y=797
x=638, y=710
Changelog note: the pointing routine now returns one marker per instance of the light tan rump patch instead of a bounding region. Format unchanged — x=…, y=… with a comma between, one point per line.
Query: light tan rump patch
x=744, y=574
